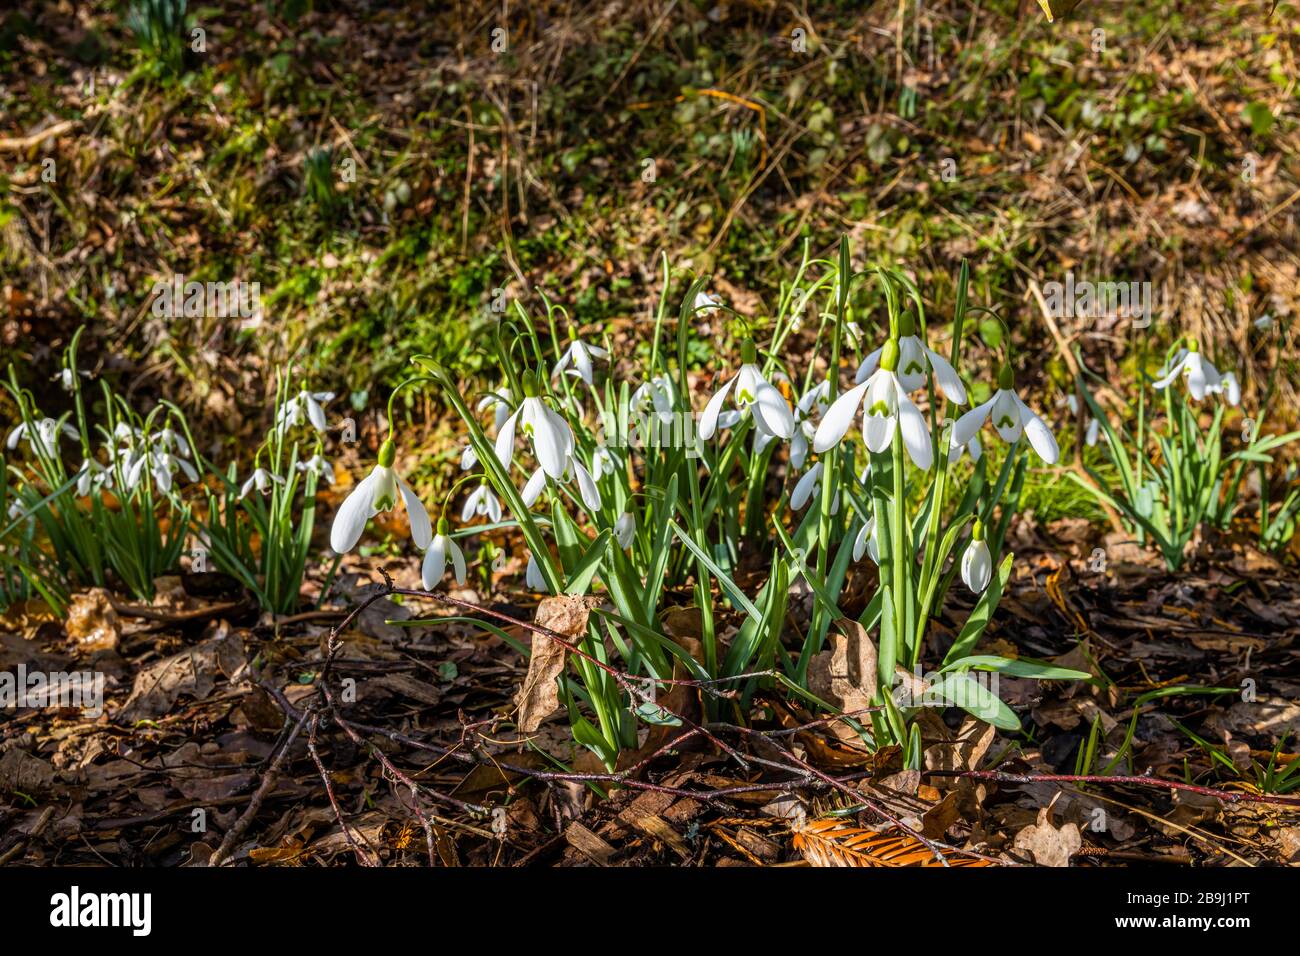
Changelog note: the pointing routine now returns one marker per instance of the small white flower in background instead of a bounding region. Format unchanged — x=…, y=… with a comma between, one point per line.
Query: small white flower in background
x=67, y=378
x=533, y=578
x=625, y=530
x=305, y=405
x=1092, y=430
x=866, y=542
x=1264, y=323
x=706, y=305
x=1011, y=417
x=44, y=437
x=549, y=433
x=976, y=562
x=602, y=462
x=887, y=410
x=378, y=492
x=915, y=361
x=16, y=511
x=807, y=413
x=587, y=489
x=317, y=466
x=435, y=559
x=754, y=393
x=500, y=404
x=1228, y=388
x=171, y=440
x=162, y=465
x=808, y=486
x=92, y=476
x=261, y=480
x=1202, y=377
x=481, y=503
x=655, y=396
x=579, y=354
x=468, y=458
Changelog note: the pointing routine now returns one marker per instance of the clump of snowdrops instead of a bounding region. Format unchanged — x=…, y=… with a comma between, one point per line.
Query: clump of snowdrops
x=106, y=496
x=654, y=493
x=1173, y=474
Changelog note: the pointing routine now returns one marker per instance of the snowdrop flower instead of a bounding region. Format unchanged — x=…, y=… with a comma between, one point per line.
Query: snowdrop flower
x=1011, y=417
x=976, y=562
x=482, y=503
x=318, y=466
x=262, y=480
x=378, y=492
x=915, y=361
x=169, y=439
x=43, y=437
x=602, y=462
x=625, y=530
x=500, y=405
x=533, y=578
x=655, y=396
x=435, y=559
x=162, y=465
x=468, y=458
x=579, y=354
x=866, y=542
x=1093, y=432
x=956, y=450
x=549, y=433
x=92, y=476
x=1201, y=376
x=706, y=305
x=812, y=406
x=67, y=378
x=754, y=393
x=1228, y=388
x=306, y=405
x=887, y=410
x=587, y=489
x=808, y=486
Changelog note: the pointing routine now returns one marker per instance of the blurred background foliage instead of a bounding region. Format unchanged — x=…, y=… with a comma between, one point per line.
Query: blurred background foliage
x=388, y=172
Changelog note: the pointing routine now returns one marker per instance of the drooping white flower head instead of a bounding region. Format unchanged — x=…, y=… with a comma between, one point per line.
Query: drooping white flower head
x=1011, y=417
x=43, y=437
x=262, y=480
x=807, y=413
x=866, y=542
x=1202, y=377
x=753, y=393
x=603, y=462
x=1227, y=387
x=318, y=466
x=579, y=354
x=547, y=431
x=305, y=405
x=379, y=491
x=442, y=548
x=93, y=476
x=625, y=530
x=706, y=305
x=533, y=578
x=481, y=503
x=915, y=361
x=656, y=395
x=468, y=458
x=887, y=411
x=808, y=487
x=976, y=561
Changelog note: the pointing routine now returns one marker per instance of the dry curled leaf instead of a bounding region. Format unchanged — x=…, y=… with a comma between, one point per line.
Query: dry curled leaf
x=92, y=622
x=539, y=697
x=1048, y=845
